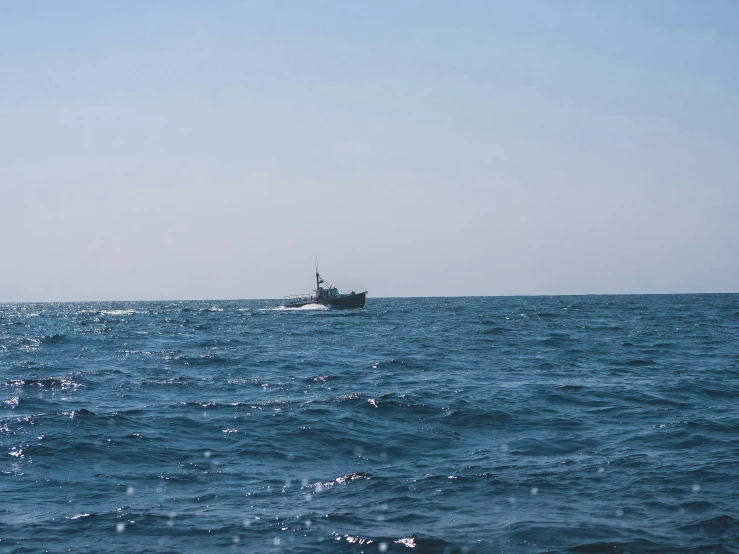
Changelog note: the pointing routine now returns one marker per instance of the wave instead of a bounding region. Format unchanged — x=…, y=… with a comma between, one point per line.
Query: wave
x=719, y=525
x=55, y=338
x=493, y=330
x=202, y=360
x=306, y=308
x=50, y=383
x=343, y=480
x=643, y=546
x=11, y=402
x=640, y=362
x=412, y=543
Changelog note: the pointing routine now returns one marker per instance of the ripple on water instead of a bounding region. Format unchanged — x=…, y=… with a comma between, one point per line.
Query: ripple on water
x=564, y=424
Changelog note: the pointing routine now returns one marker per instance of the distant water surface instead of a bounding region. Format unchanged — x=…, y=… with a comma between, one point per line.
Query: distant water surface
x=517, y=424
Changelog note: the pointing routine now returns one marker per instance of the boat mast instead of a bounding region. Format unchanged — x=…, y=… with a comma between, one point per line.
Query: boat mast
x=318, y=277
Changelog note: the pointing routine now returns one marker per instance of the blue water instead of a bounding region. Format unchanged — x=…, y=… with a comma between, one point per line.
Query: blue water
x=519, y=424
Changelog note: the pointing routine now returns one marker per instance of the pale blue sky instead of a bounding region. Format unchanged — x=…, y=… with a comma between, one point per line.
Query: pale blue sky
x=177, y=150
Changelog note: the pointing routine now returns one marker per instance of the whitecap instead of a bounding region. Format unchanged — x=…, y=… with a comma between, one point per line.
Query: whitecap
x=12, y=402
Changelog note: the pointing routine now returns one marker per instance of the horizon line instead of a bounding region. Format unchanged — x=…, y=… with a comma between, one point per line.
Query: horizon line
x=531, y=295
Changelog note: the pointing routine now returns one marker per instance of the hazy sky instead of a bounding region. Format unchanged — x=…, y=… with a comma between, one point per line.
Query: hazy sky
x=184, y=150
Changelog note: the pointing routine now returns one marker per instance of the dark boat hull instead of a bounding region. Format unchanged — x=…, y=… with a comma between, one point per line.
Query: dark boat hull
x=343, y=302
x=348, y=301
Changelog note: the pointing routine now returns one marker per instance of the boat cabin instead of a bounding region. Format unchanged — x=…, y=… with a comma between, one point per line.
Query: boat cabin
x=326, y=294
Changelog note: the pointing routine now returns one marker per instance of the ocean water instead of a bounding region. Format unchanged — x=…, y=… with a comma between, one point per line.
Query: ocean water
x=498, y=424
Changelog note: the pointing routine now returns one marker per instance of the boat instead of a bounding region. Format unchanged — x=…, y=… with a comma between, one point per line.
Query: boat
x=326, y=295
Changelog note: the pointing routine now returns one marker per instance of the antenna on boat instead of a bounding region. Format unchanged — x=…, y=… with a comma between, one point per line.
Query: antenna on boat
x=318, y=277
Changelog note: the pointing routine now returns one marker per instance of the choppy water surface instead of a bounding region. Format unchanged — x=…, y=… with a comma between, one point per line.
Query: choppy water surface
x=559, y=424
